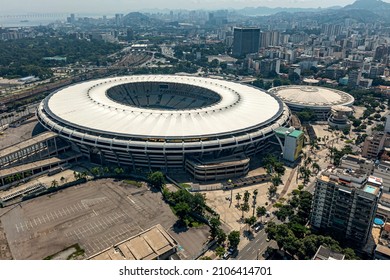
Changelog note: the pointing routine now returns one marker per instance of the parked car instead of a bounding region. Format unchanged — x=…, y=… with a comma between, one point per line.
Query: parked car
x=258, y=226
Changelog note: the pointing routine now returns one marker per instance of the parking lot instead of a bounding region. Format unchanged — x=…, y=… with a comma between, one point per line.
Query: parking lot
x=96, y=215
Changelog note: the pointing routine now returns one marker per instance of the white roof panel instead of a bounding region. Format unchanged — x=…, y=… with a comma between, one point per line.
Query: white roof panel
x=86, y=105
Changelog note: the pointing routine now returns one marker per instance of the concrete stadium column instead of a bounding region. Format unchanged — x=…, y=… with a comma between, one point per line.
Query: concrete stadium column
x=55, y=145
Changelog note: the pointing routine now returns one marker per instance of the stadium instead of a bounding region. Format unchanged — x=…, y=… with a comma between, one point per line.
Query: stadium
x=320, y=100
x=209, y=127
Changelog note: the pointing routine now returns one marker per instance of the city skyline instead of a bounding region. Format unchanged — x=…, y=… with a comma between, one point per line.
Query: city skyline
x=24, y=6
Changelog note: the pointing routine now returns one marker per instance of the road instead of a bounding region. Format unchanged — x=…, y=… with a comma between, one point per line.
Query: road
x=255, y=248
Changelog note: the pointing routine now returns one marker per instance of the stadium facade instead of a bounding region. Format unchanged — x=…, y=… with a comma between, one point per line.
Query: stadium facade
x=207, y=126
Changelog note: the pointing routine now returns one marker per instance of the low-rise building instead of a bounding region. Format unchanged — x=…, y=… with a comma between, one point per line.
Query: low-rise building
x=152, y=244
x=382, y=250
x=324, y=253
x=357, y=162
x=382, y=170
x=384, y=205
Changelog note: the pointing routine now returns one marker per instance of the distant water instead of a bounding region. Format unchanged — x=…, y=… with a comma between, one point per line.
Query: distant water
x=40, y=19
x=30, y=21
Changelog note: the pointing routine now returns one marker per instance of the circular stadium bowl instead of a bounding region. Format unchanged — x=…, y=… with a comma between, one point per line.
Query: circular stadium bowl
x=161, y=120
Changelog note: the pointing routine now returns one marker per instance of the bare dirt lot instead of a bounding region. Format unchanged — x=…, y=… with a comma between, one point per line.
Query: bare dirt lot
x=96, y=215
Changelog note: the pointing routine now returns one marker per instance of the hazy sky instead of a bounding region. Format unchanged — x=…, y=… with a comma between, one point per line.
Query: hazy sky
x=123, y=6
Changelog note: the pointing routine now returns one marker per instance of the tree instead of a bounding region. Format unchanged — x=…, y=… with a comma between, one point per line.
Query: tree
x=198, y=203
x=95, y=171
x=156, y=179
x=214, y=63
x=238, y=197
x=258, y=83
x=346, y=130
x=315, y=167
x=269, y=252
x=254, y=202
x=284, y=212
x=306, y=115
x=18, y=177
x=276, y=180
x=350, y=254
x=294, y=77
x=221, y=236
x=308, y=160
x=220, y=251
x=205, y=258
x=182, y=209
x=272, y=190
x=261, y=211
x=83, y=175
x=246, y=196
x=244, y=208
x=54, y=183
x=250, y=221
x=106, y=170
x=234, y=238
x=9, y=179
x=215, y=224
x=76, y=175
x=356, y=122
x=277, y=82
x=118, y=170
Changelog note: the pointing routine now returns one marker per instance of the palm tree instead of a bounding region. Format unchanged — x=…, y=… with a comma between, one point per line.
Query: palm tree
x=255, y=192
x=261, y=211
x=250, y=221
x=308, y=160
x=316, y=167
x=118, y=170
x=272, y=190
x=238, y=197
x=54, y=184
x=276, y=180
x=10, y=179
x=18, y=177
x=306, y=176
x=246, y=196
x=84, y=174
x=244, y=208
x=106, y=170
x=95, y=171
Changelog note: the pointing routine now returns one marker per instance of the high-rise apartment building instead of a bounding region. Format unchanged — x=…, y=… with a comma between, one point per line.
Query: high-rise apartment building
x=345, y=202
x=246, y=40
x=353, y=78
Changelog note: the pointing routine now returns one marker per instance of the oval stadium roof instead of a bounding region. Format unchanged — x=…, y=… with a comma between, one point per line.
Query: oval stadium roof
x=312, y=96
x=87, y=106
